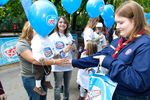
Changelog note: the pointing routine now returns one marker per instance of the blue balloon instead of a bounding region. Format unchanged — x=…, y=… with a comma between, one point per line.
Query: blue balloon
x=3, y=2
x=110, y=22
x=43, y=17
x=107, y=12
x=111, y=6
x=147, y=15
x=94, y=8
x=71, y=5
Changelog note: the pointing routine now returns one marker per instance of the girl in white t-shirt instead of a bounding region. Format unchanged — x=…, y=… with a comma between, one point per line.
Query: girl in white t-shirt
x=62, y=38
x=83, y=76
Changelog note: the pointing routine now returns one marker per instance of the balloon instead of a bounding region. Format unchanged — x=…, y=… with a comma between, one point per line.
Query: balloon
x=110, y=22
x=94, y=7
x=71, y=5
x=26, y=5
x=147, y=15
x=3, y=2
x=107, y=12
x=43, y=17
x=111, y=6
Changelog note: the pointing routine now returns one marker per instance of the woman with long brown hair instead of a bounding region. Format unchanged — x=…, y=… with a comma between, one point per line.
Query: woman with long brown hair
x=61, y=39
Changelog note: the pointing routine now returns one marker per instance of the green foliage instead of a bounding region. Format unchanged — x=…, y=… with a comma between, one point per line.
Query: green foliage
x=10, y=14
x=13, y=13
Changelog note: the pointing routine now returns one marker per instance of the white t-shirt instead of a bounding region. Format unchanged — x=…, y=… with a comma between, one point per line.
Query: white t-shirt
x=42, y=47
x=83, y=76
x=59, y=43
x=88, y=35
x=102, y=42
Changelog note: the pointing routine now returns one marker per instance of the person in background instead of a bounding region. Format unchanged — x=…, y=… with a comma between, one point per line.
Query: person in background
x=88, y=33
x=101, y=40
x=79, y=52
x=126, y=58
x=62, y=38
x=83, y=76
x=24, y=52
x=3, y=96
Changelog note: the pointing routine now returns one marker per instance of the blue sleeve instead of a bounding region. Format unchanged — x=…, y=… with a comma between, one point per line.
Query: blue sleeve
x=85, y=62
x=134, y=76
x=90, y=61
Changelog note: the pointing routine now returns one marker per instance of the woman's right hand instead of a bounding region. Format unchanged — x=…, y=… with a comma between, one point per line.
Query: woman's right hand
x=60, y=62
x=67, y=48
x=63, y=62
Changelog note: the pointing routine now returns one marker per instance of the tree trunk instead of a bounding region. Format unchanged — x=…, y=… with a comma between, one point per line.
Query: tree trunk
x=74, y=21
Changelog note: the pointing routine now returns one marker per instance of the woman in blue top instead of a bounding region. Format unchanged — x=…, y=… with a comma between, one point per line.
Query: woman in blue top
x=128, y=57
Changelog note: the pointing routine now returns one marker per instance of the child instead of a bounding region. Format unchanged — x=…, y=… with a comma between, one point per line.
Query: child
x=82, y=76
x=101, y=40
x=41, y=49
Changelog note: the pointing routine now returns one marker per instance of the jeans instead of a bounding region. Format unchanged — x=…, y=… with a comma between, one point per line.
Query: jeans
x=59, y=77
x=29, y=84
x=123, y=97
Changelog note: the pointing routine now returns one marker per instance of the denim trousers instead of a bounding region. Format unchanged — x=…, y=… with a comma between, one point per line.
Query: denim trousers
x=29, y=84
x=59, y=78
x=123, y=97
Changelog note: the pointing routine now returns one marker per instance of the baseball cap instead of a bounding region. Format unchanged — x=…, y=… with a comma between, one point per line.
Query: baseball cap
x=99, y=25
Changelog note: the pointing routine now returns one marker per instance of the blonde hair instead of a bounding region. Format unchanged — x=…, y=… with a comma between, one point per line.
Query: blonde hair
x=91, y=48
x=132, y=10
x=27, y=32
x=91, y=23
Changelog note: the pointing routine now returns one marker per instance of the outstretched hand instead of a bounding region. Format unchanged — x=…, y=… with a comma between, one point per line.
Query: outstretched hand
x=63, y=62
x=100, y=57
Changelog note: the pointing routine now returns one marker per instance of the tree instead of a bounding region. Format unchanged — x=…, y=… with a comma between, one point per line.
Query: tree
x=13, y=12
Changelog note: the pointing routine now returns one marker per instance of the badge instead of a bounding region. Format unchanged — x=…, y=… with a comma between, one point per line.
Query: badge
x=48, y=52
x=128, y=51
x=59, y=45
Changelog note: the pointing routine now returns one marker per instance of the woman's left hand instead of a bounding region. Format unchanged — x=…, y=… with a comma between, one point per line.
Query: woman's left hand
x=100, y=57
x=63, y=62
x=73, y=47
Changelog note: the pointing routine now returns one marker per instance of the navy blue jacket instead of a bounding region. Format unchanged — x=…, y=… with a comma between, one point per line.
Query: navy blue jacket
x=130, y=69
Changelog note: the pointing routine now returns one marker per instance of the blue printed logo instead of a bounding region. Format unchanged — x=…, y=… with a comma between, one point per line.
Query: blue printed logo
x=48, y=52
x=52, y=20
x=59, y=45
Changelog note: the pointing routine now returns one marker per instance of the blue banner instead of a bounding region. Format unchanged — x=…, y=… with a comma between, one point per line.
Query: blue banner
x=26, y=5
x=8, y=50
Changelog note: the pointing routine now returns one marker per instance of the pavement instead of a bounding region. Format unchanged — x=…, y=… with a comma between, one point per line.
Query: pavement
x=12, y=84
